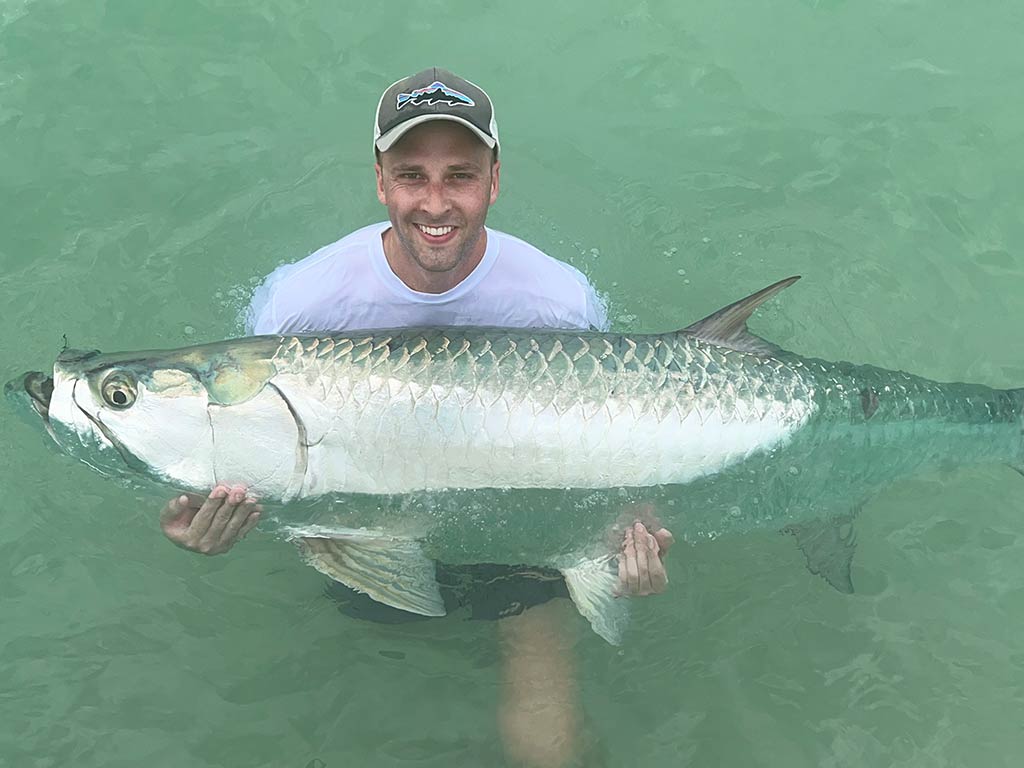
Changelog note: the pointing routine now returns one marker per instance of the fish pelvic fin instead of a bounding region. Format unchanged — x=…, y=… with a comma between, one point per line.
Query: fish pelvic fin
x=392, y=570
x=728, y=326
x=828, y=546
x=592, y=584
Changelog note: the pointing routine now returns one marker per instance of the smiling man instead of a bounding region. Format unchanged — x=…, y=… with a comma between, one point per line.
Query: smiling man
x=437, y=236
x=435, y=263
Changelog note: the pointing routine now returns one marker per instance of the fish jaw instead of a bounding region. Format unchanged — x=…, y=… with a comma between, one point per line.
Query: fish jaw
x=31, y=392
x=33, y=389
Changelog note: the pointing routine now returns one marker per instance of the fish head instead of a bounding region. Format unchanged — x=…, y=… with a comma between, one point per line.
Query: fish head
x=121, y=414
x=143, y=413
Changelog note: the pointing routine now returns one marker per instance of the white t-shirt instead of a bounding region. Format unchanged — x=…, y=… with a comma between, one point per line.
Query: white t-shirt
x=349, y=285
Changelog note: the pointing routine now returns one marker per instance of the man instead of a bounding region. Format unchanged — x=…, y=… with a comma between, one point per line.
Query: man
x=434, y=263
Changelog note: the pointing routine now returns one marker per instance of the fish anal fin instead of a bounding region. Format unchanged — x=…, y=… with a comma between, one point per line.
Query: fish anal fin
x=728, y=326
x=592, y=586
x=828, y=546
x=393, y=571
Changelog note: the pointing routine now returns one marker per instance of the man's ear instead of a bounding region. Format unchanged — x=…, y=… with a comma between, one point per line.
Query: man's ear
x=380, y=184
x=495, y=174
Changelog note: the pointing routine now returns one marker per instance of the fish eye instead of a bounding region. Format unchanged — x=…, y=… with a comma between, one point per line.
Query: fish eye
x=118, y=390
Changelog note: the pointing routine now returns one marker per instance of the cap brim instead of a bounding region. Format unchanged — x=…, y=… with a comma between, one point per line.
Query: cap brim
x=387, y=140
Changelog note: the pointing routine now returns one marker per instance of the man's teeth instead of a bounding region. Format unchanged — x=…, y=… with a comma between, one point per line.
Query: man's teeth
x=435, y=231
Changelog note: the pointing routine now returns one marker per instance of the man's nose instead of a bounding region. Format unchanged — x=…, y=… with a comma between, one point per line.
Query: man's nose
x=436, y=201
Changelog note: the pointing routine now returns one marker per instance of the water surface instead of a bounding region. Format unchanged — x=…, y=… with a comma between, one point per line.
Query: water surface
x=158, y=158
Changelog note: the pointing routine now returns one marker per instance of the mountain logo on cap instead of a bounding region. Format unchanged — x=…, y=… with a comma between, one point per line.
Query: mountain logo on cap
x=435, y=93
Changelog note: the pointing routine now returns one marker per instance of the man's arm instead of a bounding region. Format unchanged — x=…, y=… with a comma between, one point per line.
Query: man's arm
x=211, y=525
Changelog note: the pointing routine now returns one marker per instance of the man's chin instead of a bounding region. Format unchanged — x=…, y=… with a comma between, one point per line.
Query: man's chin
x=437, y=264
x=441, y=258
x=437, y=259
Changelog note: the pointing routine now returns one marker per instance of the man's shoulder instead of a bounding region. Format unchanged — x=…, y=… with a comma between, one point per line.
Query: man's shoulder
x=332, y=259
x=354, y=243
x=526, y=270
x=512, y=243
x=299, y=288
x=521, y=255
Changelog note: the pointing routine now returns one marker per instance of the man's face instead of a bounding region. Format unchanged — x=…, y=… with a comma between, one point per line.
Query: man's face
x=437, y=182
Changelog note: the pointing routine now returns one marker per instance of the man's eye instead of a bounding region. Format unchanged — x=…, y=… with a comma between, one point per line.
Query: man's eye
x=408, y=175
x=462, y=176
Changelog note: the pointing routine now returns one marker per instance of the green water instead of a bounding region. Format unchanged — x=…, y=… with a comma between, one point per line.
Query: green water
x=158, y=158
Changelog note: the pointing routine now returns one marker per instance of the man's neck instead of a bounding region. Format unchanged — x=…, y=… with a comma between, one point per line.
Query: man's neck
x=421, y=280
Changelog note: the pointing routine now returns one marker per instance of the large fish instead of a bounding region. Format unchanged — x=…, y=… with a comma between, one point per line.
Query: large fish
x=469, y=445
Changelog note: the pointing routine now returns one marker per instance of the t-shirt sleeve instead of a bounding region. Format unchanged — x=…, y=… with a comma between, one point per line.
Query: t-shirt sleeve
x=281, y=306
x=260, y=317
x=257, y=324
x=271, y=310
x=592, y=306
x=596, y=309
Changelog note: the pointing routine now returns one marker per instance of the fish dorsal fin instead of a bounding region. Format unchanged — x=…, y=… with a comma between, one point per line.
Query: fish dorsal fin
x=592, y=586
x=390, y=569
x=728, y=326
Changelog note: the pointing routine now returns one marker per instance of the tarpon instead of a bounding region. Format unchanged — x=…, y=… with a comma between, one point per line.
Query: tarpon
x=467, y=445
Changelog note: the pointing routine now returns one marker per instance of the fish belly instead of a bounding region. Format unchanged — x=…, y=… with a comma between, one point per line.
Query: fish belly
x=432, y=438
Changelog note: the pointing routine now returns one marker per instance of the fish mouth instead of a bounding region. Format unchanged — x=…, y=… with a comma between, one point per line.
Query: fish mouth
x=39, y=389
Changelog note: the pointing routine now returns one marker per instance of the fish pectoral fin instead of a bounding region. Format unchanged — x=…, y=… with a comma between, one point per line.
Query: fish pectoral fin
x=393, y=571
x=592, y=584
x=828, y=546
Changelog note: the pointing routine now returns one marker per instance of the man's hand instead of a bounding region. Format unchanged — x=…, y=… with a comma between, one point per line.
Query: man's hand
x=641, y=571
x=212, y=525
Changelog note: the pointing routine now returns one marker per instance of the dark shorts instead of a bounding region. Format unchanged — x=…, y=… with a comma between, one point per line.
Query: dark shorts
x=487, y=592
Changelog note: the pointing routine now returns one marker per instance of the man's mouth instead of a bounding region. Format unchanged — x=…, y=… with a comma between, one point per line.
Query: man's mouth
x=437, y=234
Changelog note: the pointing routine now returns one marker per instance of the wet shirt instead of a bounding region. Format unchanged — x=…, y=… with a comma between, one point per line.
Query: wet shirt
x=349, y=285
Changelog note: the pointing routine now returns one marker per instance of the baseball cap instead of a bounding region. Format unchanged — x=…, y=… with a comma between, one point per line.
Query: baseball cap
x=433, y=94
